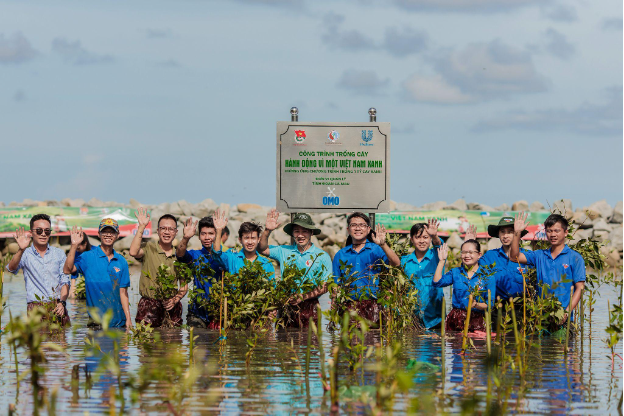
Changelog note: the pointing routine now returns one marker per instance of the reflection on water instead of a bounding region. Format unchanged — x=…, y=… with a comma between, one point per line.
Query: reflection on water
x=584, y=381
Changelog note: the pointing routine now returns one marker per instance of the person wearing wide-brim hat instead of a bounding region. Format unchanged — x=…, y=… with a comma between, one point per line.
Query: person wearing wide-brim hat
x=509, y=275
x=305, y=255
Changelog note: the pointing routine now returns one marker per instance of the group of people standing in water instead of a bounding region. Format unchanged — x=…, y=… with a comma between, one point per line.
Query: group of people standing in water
x=495, y=274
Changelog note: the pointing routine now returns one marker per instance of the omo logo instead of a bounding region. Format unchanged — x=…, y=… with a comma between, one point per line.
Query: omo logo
x=331, y=198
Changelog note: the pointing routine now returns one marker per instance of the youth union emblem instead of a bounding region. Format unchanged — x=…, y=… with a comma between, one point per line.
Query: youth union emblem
x=333, y=136
x=300, y=136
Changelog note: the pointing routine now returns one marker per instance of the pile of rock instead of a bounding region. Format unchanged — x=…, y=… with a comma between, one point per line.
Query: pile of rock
x=599, y=221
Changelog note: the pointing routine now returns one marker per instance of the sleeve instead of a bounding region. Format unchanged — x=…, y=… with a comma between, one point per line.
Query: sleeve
x=326, y=265
x=186, y=258
x=381, y=256
x=80, y=263
x=276, y=253
x=578, y=269
x=64, y=278
x=268, y=267
x=224, y=257
x=19, y=266
x=125, y=277
x=531, y=256
x=146, y=247
x=446, y=280
x=491, y=285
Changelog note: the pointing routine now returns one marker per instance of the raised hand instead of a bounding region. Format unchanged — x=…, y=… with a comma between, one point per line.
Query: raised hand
x=219, y=219
x=76, y=236
x=272, y=221
x=443, y=252
x=142, y=216
x=189, y=228
x=432, y=227
x=23, y=238
x=520, y=221
x=380, y=235
x=471, y=234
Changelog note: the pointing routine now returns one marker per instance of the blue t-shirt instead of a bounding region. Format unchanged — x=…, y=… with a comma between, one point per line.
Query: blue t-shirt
x=103, y=279
x=201, y=279
x=366, y=265
x=235, y=260
x=421, y=274
x=569, y=265
x=462, y=286
x=318, y=268
x=508, y=274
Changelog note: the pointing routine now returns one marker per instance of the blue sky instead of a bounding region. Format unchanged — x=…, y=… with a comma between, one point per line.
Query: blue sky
x=490, y=100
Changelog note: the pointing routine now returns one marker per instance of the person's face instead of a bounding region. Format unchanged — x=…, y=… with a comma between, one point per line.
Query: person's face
x=470, y=255
x=358, y=229
x=167, y=230
x=108, y=236
x=422, y=241
x=207, y=236
x=505, y=234
x=556, y=234
x=81, y=247
x=41, y=230
x=249, y=241
x=301, y=235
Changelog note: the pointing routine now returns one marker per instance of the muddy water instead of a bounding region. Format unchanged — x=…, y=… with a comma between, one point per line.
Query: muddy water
x=583, y=382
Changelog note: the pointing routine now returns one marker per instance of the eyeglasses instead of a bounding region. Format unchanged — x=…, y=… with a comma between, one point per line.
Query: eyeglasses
x=108, y=233
x=168, y=229
x=40, y=231
x=358, y=226
x=469, y=252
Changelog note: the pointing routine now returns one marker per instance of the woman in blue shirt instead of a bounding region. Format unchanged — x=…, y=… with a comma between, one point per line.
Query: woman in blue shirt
x=469, y=278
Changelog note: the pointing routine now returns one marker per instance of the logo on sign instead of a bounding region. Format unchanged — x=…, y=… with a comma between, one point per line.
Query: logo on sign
x=300, y=136
x=367, y=136
x=333, y=136
x=331, y=199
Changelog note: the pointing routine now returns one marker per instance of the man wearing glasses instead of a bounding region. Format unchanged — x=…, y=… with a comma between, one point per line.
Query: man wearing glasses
x=46, y=284
x=154, y=255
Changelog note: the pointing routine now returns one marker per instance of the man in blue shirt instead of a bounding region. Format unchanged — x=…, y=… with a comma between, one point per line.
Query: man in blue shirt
x=106, y=274
x=304, y=255
x=359, y=263
x=553, y=265
x=205, y=266
x=509, y=275
x=46, y=283
x=420, y=267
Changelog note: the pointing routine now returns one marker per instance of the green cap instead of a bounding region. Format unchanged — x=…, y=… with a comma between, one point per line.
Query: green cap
x=302, y=220
x=504, y=222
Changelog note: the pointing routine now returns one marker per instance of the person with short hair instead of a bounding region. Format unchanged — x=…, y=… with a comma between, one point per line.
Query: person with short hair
x=153, y=255
x=106, y=273
x=466, y=279
x=304, y=255
x=365, y=254
x=225, y=235
x=420, y=267
x=249, y=237
x=197, y=316
x=559, y=267
x=47, y=285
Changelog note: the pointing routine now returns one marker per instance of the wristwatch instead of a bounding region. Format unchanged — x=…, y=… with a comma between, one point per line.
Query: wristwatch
x=63, y=302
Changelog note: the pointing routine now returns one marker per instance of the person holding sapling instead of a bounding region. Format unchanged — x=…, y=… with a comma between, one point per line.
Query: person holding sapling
x=205, y=266
x=82, y=247
x=420, y=266
x=107, y=278
x=362, y=259
x=47, y=285
x=467, y=279
x=304, y=255
x=559, y=267
x=249, y=237
x=157, y=271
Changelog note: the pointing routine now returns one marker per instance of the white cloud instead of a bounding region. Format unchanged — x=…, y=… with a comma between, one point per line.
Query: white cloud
x=433, y=89
x=465, y=6
x=74, y=53
x=557, y=44
x=362, y=82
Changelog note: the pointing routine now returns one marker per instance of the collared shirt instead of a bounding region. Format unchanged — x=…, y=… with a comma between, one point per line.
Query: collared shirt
x=421, y=274
x=202, y=279
x=508, y=274
x=235, y=260
x=316, y=261
x=154, y=256
x=366, y=265
x=462, y=286
x=569, y=265
x=43, y=275
x=103, y=279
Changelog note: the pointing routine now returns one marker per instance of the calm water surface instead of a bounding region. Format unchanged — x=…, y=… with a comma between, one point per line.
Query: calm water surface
x=584, y=382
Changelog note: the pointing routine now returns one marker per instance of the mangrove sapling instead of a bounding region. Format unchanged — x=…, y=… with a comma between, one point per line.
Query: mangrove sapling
x=614, y=330
x=399, y=300
x=167, y=285
x=142, y=333
x=467, y=324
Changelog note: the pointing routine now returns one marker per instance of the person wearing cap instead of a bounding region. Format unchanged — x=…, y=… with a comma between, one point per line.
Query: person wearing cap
x=304, y=255
x=153, y=255
x=508, y=274
x=106, y=273
x=363, y=258
x=46, y=283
